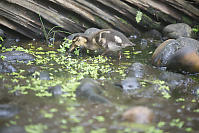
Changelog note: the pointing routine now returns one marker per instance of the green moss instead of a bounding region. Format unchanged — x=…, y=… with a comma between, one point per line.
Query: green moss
x=99, y=130
x=123, y=21
x=138, y=17
x=187, y=20
x=147, y=21
x=100, y=118
x=77, y=129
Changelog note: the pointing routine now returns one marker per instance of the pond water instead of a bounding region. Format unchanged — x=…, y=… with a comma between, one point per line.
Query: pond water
x=31, y=107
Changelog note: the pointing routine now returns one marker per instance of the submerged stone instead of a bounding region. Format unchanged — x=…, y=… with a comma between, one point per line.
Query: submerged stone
x=90, y=90
x=17, y=56
x=6, y=67
x=44, y=75
x=139, y=114
x=12, y=129
x=55, y=90
x=8, y=111
x=130, y=84
x=175, y=79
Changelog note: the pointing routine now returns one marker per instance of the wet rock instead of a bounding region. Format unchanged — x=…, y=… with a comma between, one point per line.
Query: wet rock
x=175, y=80
x=136, y=70
x=8, y=111
x=164, y=51
x=185, y=60
x=55, y=90
x=139, y=70
x=6, y=67
x=91, y=31
x=44, y=75
x=17, y=56
x=179, y=55
x=177, y=30
x=90, y=90
x=139, y=114
x=12, y=129
x=130, y=84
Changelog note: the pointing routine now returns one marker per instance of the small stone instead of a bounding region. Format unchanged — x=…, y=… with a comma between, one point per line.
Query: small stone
x=55, y=90
x=130, y=83
x=139, y=114
x=44, y=75
x=91, y=90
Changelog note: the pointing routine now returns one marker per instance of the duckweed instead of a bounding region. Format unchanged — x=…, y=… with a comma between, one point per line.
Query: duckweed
x=77, y=129
x=37, y=128
x=177, y=123
x=79, y=68
x=99, y=130
x=100, y=118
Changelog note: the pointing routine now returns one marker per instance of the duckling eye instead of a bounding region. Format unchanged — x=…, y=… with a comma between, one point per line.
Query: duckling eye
x=78, y=40
x=75, y=39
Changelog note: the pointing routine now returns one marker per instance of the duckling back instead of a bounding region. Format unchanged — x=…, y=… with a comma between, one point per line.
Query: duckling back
x=111, y=40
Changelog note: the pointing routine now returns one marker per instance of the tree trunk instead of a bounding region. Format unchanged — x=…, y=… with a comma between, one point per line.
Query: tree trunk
x=29, y=17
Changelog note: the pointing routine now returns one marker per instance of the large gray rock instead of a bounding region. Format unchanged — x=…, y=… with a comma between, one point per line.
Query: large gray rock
x=177, y=30
x=179, y=55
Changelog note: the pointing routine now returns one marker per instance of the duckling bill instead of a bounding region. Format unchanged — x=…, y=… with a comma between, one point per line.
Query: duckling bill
x=106, y=40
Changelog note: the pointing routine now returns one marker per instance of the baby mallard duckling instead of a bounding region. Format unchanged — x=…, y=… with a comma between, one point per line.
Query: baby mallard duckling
x=105, y=39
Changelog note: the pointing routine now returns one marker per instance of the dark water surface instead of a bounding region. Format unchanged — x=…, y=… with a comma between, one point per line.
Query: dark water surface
x=28, y=105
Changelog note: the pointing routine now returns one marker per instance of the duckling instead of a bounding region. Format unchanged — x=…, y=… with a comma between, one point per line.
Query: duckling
x=105, y=39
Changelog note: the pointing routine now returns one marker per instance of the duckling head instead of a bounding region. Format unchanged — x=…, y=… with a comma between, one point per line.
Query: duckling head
x=78, y=41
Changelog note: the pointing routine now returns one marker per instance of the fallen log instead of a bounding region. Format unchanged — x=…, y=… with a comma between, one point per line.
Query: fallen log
x=29, y=17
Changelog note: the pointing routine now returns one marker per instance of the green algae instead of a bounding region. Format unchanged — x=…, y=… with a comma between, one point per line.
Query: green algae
x=37, y=128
